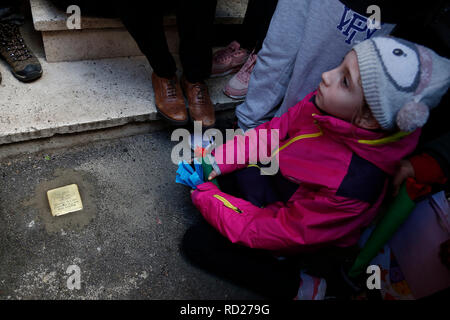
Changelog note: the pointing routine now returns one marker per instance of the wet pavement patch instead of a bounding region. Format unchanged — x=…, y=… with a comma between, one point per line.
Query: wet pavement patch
x=71, y=221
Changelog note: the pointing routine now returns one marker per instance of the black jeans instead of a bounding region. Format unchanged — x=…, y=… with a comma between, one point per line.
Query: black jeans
x=261, y=271
x=253, y=30
x=256, y=269
x=144, y=21
x=256, y=23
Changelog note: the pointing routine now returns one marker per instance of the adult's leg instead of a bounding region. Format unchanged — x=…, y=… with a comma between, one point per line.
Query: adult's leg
x=305, y=39
x=256, y=23
x=257, y=270
x=195, y=19
x=147, y=28
x=330, y=30
x=270, y=77
x=24, y=65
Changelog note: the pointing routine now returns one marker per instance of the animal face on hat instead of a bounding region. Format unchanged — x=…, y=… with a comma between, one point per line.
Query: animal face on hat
x=400, y=61
x=401, y=81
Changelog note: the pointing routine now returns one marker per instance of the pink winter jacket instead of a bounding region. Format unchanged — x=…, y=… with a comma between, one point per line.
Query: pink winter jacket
x=342, y=172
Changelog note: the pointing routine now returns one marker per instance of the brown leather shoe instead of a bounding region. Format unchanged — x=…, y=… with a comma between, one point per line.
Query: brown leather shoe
x=169, y=99
x=199, y=102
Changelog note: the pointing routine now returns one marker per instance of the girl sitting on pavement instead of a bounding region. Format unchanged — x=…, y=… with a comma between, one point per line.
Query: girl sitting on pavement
x=337, y=149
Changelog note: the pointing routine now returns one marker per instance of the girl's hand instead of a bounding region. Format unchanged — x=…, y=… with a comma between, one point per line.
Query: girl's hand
x=406, y=170
x=212, y=175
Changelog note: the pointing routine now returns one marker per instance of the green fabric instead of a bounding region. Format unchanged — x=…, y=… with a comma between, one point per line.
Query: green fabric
x=207, y=168
x=396, y=214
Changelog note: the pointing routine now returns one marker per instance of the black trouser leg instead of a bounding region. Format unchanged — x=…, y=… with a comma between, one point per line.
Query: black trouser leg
x=256, y=23
x=254, y=269
x=147, y=29
x=195, y=19
x=252, y=32
x=144, y=25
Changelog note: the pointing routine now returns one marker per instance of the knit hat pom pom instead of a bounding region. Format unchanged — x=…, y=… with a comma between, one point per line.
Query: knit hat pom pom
x=413, y=115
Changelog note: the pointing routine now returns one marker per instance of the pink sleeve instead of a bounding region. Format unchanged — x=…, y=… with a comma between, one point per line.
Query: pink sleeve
x=257, y=144
x=300, y=224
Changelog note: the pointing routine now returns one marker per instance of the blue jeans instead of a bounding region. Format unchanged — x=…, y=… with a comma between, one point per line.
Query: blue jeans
x=305, y=39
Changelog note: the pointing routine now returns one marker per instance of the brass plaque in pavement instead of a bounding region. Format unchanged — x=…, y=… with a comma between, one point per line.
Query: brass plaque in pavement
x=64, y=200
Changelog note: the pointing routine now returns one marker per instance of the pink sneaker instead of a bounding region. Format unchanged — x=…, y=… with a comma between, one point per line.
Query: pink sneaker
x=228, y=60
x=237, y=87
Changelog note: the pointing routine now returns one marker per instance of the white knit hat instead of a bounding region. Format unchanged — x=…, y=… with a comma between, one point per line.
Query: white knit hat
x=401, y=81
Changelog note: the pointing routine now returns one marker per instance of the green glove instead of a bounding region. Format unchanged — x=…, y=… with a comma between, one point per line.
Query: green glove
x=395, y=216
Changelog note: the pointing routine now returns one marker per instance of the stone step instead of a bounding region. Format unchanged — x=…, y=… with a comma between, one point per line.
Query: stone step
x=46, y=17
x=80, y=96
x=89, y=44
x=103, y=37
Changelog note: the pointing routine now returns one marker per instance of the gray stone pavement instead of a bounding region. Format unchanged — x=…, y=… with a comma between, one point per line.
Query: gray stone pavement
x=125, y=240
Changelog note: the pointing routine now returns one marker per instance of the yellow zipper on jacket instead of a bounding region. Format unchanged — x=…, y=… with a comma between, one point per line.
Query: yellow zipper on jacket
x=227, y=203
x=392, y=138
x=300, y=137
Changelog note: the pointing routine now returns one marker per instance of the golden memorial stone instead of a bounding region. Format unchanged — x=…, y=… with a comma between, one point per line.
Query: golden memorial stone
x=64, y=200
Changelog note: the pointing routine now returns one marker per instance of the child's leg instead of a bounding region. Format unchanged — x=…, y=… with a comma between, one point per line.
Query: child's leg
x=228, y=184
x=250, y=185
x=257, y=270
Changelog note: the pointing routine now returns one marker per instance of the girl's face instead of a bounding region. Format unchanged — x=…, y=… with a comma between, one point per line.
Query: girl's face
x=340, y=94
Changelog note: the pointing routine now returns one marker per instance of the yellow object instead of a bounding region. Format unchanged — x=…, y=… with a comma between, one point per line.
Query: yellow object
x=300, y=137
x=392, y=138
x=227, y=203
x=64, y=200
x=260, y=169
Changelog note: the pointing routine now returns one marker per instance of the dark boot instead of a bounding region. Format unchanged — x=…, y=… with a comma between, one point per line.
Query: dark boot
x=24, y=64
